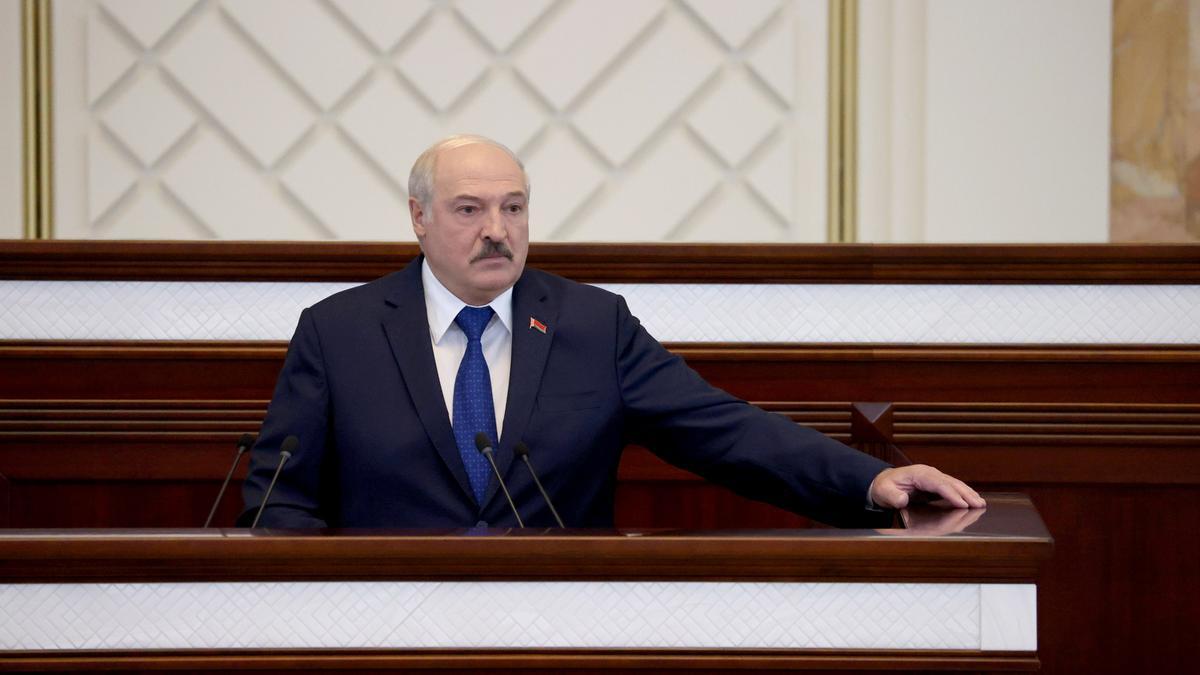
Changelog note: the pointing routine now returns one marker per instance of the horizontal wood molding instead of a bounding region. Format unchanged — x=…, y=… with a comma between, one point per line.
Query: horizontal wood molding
x=1007, y=542
x=1123, y=415
x=692, y=351
x=524, y=661
x=612, y=263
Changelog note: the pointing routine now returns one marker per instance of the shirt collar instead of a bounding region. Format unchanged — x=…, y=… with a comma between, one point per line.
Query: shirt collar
x=442, y=306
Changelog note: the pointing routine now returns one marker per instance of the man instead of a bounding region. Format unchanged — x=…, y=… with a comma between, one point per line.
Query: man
x=387, y=386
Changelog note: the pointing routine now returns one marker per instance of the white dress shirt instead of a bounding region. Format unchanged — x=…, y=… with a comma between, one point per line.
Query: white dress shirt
x=450, y=342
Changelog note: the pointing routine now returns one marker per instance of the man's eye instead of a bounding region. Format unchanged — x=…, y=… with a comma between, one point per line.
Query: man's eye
x=468, y=210
x=515, y=208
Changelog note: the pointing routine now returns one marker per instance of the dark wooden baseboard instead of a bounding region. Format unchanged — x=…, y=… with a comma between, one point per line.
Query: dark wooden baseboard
x=598, y=262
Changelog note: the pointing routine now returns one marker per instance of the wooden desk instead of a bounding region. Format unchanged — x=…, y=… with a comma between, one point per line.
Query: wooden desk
x=954, y=591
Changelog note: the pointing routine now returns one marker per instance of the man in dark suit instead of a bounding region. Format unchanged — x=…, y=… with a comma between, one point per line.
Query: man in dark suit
x=387, y=385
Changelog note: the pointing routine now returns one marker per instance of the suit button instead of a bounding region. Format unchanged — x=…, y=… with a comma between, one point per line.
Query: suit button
x=482, y=523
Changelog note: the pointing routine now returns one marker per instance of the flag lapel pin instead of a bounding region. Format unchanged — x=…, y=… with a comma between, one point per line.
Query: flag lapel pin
x=534, y=324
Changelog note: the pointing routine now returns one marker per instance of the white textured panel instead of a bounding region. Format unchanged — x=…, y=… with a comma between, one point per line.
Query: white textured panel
x=112, y=176
x=734, y=118
x=116, y=310
x=1008, y=617
x=384, y=23
x=148, y=119
x=315, y=51
x=771, y=176
x=347, y=198
x=480, y=615
x=499, y=109
x=734, y=21
x=442, y=61
x=147, y=20
x=390, y=125
x=588, y=84
x=240, y=91
x=734, y=214
x=564, y=175
x=1002, y=314
x=150, y=215
x=109, y=57
x=772, y=59
x=579, y=42
x=639, y=98
x=655, y=197
x=992, y=314
x=11, y=187
x=232, y=202
x=501, y=23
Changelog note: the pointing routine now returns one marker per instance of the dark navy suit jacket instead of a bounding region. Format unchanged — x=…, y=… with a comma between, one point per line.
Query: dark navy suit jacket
x=359, y=388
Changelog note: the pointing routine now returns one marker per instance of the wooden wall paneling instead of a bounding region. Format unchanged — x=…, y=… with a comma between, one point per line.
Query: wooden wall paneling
x=1104, y=438
x=605, y=263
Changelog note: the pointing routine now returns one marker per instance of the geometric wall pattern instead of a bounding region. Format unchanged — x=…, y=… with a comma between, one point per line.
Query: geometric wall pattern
x=479, y=615
x=796, y=313
x=639, y=120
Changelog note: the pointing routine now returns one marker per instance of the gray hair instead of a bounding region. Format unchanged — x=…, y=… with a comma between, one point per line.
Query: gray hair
x=420, y=179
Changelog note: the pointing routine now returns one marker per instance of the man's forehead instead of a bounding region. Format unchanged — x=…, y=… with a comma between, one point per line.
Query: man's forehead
x=478, y=161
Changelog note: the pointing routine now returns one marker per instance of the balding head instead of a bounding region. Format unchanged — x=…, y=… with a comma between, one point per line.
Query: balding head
x=424, y=170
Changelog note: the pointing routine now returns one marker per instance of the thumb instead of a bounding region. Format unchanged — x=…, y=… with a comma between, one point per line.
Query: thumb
x=887, y=494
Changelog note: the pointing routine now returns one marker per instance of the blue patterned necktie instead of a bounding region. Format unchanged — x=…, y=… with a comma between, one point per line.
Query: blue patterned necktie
x=473, y=408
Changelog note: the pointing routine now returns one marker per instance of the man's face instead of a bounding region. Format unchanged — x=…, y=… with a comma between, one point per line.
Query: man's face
x=475, y=234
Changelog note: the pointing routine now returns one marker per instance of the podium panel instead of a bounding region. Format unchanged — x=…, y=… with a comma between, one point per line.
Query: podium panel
x=953, y=590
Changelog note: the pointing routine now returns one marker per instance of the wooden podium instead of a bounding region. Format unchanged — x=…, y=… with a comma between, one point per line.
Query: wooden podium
x=952, y=591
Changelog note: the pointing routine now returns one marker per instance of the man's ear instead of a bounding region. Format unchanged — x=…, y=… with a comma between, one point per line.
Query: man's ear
x=419, y=217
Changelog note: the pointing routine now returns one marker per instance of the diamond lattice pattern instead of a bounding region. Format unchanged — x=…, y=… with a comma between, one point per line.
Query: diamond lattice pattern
x=299, y=119
x=475, y=615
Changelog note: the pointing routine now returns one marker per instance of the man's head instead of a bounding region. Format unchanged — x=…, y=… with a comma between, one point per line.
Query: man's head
x=469, y=199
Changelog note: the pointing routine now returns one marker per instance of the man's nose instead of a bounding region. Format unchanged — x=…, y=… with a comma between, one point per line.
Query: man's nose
x=494, y=227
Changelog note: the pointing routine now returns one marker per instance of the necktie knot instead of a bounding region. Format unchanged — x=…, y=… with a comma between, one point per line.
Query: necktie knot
x=472, y=321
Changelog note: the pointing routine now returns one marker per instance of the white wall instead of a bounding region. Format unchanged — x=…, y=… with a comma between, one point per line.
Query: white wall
x=640, y=120
x=984, y=121
x=11, y=208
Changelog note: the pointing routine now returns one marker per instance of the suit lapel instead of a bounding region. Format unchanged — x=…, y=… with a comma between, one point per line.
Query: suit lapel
x=530, y=347
x=407, y=331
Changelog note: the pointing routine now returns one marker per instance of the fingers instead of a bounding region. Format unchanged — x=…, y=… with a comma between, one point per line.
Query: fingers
x=892, y=488
x=953, y=490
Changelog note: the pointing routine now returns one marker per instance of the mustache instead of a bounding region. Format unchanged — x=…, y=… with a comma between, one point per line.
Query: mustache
x=491, y=249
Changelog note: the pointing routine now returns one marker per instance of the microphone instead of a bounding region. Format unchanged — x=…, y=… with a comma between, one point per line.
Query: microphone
x=484, y=445
x=285, y=453
x=243, y=445
x=522, y=451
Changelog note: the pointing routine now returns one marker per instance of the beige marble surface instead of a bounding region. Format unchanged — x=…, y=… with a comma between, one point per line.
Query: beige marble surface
x=1156, y=121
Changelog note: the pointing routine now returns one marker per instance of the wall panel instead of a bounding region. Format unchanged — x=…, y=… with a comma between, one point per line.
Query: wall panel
x=11, y=187
x=639, y=120
x=983, y=121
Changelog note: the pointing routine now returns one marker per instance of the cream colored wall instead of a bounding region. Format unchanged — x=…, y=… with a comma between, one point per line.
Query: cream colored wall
x=640, y=120
x=984, y=121
x=11, y=208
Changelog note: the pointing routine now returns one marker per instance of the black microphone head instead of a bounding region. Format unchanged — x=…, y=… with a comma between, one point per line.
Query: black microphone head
x=245, y=442
x=289, y=445
x=521, y=450
x=482, y=442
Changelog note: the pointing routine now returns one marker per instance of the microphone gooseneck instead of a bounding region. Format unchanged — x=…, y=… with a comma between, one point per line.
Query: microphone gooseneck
x=285, y=453
x=244, y=443
x=522, y=451
x=484, y=445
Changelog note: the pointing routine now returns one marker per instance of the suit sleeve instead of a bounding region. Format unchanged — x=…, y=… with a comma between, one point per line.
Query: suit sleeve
x=760, y=455
x=300, y=407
